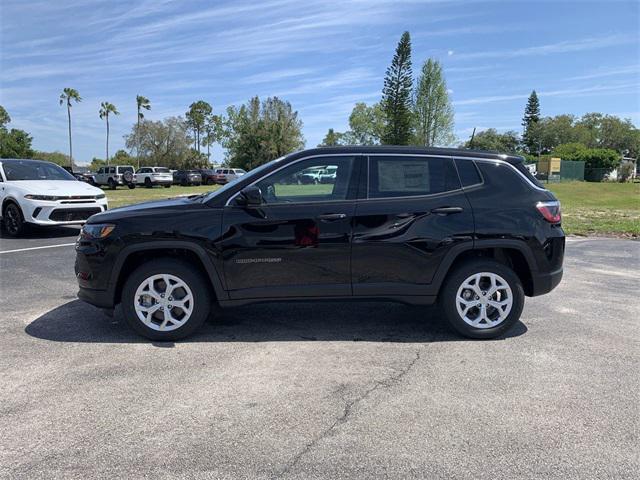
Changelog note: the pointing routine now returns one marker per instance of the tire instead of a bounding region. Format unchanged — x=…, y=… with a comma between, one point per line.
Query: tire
x=509, y=297
x=167, y=186
x=112, y=184
x=184, y=183
x=179, y=271
x=131, y=186
x=13, y=220
x=147, y=183
x=210, y=181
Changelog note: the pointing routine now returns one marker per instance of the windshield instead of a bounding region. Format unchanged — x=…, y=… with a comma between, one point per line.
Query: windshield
x=256, y=172
x=34, y=170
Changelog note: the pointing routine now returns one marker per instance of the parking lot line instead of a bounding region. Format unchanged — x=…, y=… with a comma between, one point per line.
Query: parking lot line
x=37, y=248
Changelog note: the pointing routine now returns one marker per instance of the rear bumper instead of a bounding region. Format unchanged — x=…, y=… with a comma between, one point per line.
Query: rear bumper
x=98, y=298
x=545, y=282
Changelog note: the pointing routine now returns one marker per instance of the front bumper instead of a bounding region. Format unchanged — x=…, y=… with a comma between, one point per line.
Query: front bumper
x=48, y=213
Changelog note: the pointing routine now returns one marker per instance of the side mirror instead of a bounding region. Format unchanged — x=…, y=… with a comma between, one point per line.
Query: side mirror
x=250, y=196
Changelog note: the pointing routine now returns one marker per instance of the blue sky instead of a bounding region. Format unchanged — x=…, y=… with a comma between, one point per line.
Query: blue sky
x=322, y=56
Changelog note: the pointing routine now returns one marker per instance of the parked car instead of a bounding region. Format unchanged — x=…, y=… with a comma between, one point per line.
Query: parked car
x=328, y=175
x=151, y=176
x=115, y=175
x=35, y=192
x=226, y=175
x=310, y=175
x=471, y=230
x=208, y=176
x=187, y=177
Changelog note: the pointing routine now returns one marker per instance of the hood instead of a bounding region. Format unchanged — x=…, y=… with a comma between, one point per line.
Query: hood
x=55, y=187
x=147, y=208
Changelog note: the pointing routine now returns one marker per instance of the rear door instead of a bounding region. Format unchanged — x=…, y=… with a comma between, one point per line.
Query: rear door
x=298, y=242
x=414, y=213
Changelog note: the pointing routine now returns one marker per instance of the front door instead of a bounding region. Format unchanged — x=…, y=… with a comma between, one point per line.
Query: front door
x=414, y=213
x=298, y=242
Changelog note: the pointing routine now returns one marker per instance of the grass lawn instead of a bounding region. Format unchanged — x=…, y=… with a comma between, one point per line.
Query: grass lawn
x=587, y=208
x=599, y=208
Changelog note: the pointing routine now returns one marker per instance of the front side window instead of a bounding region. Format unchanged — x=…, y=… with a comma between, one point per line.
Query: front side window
x=300, y=182
x=391, y=177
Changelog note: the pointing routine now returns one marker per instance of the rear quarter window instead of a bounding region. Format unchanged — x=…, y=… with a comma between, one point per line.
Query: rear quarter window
x=468, y=172
x=525, y=171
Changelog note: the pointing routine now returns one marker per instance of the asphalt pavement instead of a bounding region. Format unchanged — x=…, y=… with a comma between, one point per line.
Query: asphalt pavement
x=322, y=390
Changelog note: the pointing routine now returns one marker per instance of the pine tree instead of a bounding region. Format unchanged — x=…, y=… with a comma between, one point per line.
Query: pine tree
x=530, y=123
x=396, y=96
x=433, y=114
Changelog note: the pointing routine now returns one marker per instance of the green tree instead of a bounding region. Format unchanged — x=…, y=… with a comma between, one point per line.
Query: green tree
x=106, y=109
x=491, y=140
x=165, y=143
x=332, y=139
x=212, y=129
x=67, y=96
x=258, y=132
x=15, y=143
x=396, y=95
x=142, y=103
x=366, y=124
x=197, y=118
x=5, y=119
x=432, y=111
x=608, y=131
x=58, y=158
x=530, y=122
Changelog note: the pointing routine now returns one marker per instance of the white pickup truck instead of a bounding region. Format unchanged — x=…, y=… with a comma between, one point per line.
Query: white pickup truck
x=150, y=176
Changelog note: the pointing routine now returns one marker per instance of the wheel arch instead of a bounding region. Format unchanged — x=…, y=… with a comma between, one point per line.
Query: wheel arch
x=7, y=200
x=134, y=256
x=511, y=253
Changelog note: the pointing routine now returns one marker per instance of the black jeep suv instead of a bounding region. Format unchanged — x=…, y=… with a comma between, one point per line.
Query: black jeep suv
x=472, y=230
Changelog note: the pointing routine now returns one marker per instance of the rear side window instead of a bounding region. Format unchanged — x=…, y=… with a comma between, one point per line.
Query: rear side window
x=410, y=176
x=468, y=172
x=525, y=171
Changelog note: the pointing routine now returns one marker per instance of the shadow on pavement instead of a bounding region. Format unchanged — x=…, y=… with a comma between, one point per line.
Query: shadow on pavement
x=35, y=232
x=77, y=321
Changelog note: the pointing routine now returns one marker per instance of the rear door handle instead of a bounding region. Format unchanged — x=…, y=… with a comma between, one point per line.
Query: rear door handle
x=332, y=217
x=446, y=210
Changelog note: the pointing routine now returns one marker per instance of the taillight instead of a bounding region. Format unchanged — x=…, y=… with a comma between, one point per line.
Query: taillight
x=550, y=211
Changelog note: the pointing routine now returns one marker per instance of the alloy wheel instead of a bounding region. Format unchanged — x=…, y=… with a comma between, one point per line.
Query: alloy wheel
x=484, y=300
x=12, y=220
x=163, y=302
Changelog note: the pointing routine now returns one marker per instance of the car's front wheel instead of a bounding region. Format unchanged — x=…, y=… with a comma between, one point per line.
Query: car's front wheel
x=166, y=299
x=13, y=220
x=482, y=299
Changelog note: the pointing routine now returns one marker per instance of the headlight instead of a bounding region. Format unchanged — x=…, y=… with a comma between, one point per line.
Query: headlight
x=102, y=195
x=49, y=198
x=96, y=230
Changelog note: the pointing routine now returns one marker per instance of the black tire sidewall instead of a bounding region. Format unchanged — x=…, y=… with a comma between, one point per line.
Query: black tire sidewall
x=450, y=290
x=21, y=224
x=196, y=282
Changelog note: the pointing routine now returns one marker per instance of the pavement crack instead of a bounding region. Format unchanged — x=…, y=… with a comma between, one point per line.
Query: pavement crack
x=348, y=409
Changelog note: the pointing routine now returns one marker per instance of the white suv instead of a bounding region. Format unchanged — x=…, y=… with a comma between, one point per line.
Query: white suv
x=150, y=176
x=226, y=175
x=42, y=193
x=116, y=175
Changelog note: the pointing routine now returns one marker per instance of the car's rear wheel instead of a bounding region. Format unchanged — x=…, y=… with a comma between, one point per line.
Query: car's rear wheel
x=166, y=299
x=167, y=186
x=13, y=220
x=482, y=299
x=147, y=182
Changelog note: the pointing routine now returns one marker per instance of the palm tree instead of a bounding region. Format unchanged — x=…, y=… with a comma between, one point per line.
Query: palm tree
x=105, y=109
x=67, y=95
x=143, y=102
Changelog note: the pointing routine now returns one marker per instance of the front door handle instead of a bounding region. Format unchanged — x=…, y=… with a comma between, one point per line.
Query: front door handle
x=446, y=210
x=332, y=217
